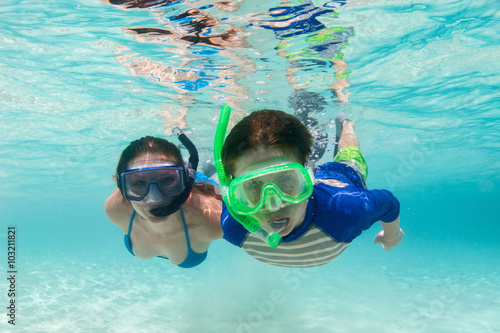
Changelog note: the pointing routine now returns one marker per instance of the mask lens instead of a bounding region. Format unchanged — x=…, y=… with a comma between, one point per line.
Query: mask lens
x=169, y=181
x=288, y=183
x=136, y=184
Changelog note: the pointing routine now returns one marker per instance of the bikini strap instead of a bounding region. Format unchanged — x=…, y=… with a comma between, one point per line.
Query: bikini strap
x=185, y=230
x=130, y=224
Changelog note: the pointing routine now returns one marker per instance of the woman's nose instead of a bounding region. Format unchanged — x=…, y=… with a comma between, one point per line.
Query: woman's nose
x=154, y=194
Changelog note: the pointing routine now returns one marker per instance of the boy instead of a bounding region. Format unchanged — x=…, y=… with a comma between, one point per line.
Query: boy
x=318, y=215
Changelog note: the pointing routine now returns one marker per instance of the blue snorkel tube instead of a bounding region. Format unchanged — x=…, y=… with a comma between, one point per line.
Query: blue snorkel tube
x=249, y=222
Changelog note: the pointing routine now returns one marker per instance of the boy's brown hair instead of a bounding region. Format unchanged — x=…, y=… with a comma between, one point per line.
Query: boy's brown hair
x=267, y=129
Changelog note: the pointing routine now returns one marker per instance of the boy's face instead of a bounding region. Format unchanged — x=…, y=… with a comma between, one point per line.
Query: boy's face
x=289, y=216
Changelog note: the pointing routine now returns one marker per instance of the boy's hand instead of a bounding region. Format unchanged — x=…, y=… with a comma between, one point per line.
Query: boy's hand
x=389, y=241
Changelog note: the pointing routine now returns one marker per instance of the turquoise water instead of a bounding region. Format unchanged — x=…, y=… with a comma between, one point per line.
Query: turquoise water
x=75, y=90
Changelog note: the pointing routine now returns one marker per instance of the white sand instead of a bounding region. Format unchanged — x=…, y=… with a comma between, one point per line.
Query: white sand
x=378, y=293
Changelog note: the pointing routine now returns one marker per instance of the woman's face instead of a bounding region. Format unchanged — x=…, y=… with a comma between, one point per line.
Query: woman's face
x=289, y=216
x=154, y=198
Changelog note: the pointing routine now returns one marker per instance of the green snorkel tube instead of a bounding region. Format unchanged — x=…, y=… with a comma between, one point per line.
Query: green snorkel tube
x=249, y=222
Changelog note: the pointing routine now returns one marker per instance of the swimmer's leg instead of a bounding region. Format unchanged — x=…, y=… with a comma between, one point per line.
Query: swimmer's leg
x=345, y=134
x=306, y=104
x=347, y=147
x=207, y=169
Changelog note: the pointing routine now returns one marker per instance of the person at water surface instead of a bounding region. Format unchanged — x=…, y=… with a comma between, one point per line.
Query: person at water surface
x=165, y=209
x=317, y=213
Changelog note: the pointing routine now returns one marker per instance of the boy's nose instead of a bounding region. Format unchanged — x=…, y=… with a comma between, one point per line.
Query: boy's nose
x=273, y=203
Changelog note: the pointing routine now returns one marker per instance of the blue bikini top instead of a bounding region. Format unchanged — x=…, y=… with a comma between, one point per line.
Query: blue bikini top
x=193, y=259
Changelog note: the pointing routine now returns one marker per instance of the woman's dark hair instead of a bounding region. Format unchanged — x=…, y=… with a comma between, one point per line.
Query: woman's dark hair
x=154, y=145
x=151, y=145
x=267, y=129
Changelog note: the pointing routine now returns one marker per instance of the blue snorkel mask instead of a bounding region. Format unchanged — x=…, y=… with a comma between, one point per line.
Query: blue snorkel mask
x=172, y=181
x=248, y=221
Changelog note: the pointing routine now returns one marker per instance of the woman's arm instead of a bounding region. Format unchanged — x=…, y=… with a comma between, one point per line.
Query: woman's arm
x=118, y=209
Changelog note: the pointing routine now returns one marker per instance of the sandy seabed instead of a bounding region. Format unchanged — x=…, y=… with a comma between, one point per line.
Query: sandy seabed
x=380, y=293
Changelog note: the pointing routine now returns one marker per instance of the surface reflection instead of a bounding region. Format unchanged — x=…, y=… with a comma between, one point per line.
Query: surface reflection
x=192, y=39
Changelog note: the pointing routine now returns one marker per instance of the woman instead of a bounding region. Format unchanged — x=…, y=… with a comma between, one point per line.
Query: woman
x=159, y=206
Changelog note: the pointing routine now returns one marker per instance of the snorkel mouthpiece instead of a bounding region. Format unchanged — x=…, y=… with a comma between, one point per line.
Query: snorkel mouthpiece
x=249, y=222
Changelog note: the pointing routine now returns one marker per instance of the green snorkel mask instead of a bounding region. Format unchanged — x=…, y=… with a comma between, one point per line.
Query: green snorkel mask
x=249, y=222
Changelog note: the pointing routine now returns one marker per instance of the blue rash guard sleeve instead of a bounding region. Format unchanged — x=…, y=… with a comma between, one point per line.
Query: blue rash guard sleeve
x=234, y=232
x=345, y=212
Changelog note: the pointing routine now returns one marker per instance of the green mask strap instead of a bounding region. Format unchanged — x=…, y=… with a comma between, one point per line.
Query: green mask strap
x=249, y=222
